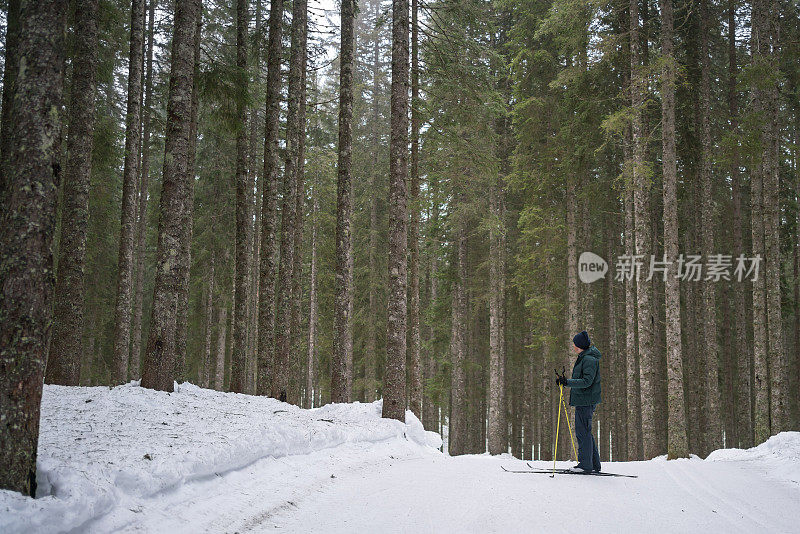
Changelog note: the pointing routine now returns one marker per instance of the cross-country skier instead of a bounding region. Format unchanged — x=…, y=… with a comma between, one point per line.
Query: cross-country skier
x=584, y=396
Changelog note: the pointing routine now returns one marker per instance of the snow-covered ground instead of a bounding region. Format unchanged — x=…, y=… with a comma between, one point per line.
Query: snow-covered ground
x=130, y=459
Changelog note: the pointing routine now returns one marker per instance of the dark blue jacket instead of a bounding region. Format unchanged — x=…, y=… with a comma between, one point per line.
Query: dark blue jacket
x=585, y=381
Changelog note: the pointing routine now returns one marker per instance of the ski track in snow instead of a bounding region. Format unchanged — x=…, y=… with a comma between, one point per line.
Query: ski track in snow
x=375, y=489
x=471, y=494
x=227, y=463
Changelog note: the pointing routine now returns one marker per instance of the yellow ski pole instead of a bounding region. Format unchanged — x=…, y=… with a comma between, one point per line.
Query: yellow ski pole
x=566, y=413
x=558, y=425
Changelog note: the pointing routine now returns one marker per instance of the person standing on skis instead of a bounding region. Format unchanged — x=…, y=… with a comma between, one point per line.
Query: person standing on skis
x=584, y=395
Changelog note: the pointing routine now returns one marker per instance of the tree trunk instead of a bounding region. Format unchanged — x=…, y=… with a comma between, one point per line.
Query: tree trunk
x=529, y=415
x=677, y=446
x=185, y=260
x=640, y=180
x=313, y=304
x=713, y=431
x=343, y=340
x=254, y=236
x=433, y=399
x=498, y=442
x=243, y=204
x=205, y=370
x=760, y=49
x=370, y=356
x=572, y=296
x=280, y=379
x=222, y=331
x=618, y=389
x=394, y=381
x=159, y=366
x=634, y=445
x=66, y=348
x=770, y=163
x=296, y=381
x=134, y=369
x=122, y=311
x=693, y=381
x=430, y=407
x=458, y=417
x=29, y=177
x=267, y=271
x=744, y=415
x=414, y=340
x=547, y=409
x=795, y=423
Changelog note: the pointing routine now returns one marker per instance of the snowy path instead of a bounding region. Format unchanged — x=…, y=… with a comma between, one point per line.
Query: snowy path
x=468, y=494
x=128, y=459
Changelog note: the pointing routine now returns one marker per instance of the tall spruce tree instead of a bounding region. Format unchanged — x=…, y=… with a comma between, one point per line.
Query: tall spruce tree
x=677, y=446
x=267, y=269
x=394, y=382
x=29, y=179
x=341, y=362
x=130, y=174
x=144, y=184
x=159, y=363
x=66, y=346
x=289, y=215
x=243, y=205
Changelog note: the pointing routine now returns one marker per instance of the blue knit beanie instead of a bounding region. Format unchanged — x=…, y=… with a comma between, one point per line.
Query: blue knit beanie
x=582, y=340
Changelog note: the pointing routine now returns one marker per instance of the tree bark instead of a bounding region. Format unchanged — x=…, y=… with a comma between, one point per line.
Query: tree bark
x=572, y=295
x=634, y=444
x=744, y=414
x=222, y=331
x=370, y=357
x=159, y=366
x=458, y=416
x=618, y=382
x=254, y=236
x=796, y=267
x=296, y=376
x=759, y=36
x=144, y=184
x=414, y=340
x=498, y=426
x=267, y=271
x=313, y=303
x=677, y=445
x=185, y=260
x=205, y=370
x=770, y=164
x=529, y=415
x=280, y=379
x=66, y=347
x=432, y=399
x=122, y=310
x=713, y=431
x=343, y=333
x=641, y=191
x=29, y=176
x=394, y=381
x=243, y=204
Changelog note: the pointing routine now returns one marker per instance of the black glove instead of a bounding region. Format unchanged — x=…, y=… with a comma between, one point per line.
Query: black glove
x=561, y=380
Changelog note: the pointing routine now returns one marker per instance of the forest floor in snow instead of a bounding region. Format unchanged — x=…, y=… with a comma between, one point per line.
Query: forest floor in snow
x=129, y=459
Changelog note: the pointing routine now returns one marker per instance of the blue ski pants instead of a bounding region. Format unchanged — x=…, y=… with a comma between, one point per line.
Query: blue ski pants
x=588, y=456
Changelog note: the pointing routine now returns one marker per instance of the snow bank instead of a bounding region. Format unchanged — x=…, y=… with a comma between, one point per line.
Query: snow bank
x=779, y=456
x=99, y=446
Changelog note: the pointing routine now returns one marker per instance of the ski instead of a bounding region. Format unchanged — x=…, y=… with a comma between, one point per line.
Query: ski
x=567, y=472
x=601, y=473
